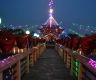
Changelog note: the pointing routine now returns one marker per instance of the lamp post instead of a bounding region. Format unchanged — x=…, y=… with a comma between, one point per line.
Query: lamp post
x=27, y=33
x=36, y=35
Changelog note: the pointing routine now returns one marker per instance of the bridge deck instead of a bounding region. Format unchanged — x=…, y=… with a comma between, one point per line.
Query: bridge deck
x=49, y=67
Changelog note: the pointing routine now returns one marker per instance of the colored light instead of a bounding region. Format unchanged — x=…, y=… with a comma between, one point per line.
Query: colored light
x=0, y=21
x=74, y=51
x=92, y=63
x=14, y=50
x=51, y=3
x=18, y=50
x=22, y=50
x=76, y=63
x=24, y=61
x=6, y=61
x=76, y=69
x=76, y=74
x=51, y=7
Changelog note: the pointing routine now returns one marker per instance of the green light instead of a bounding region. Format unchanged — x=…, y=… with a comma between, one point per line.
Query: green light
x=76, y=63
x=74, y=51
x=76, y=74
x=76, y=69
x=25, y=61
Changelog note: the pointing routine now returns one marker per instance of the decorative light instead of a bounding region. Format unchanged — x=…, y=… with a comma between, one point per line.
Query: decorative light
x=0, y=21
x=51, y=11
x=51, y=7
x=3, y=61
x=50, y=17
x=22, y=50
x=92, y=63
x=14, y=50
x=18, y=51
x=80, y=52
x=51, y=3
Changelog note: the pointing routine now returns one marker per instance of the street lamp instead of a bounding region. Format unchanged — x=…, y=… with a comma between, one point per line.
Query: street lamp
x=27, y=33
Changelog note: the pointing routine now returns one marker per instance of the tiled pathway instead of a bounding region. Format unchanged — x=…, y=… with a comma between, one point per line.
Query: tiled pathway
x=49, y=67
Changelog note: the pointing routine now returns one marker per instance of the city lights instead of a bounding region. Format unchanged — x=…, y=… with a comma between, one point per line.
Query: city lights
x=36, y=35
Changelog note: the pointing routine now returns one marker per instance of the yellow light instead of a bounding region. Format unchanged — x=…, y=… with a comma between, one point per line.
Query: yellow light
x=22, y=50
x=18, y=50
x=14, y=51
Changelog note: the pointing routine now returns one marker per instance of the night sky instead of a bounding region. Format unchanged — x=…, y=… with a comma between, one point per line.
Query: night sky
x=31, y=12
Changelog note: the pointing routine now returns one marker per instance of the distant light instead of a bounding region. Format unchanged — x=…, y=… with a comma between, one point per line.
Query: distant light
x=51, y=11
x=36, y=35
x=0, y=21
x=51, y=17
x=27, y=32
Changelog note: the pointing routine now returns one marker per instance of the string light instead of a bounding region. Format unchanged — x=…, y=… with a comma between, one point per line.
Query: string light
x=51, y=11
x=92, y=63
x=8, y=73
x=51, y=4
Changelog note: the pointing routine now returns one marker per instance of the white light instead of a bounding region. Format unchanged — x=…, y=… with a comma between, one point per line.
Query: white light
x=36, y=35
x=0, y=21
x=51, y=11
x=51, y=17
x=27, y=32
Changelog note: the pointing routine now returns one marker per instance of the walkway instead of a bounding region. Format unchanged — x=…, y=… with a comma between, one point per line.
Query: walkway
x=49, y=67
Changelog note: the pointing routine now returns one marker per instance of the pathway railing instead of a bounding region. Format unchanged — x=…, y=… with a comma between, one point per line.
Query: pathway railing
x=80, y=67
x=16, y=66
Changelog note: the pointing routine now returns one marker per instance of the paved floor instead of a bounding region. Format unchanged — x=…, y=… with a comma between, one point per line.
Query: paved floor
x=49, y=67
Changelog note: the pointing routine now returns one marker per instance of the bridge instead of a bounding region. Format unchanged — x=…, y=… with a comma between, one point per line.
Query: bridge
x=48, y=63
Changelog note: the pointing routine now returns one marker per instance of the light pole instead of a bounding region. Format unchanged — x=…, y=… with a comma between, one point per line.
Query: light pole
x=27, y=33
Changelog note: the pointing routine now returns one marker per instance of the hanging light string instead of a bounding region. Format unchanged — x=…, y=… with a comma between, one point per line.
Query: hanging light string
x=51, y=4
x=51, y=8
x=51, y=11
